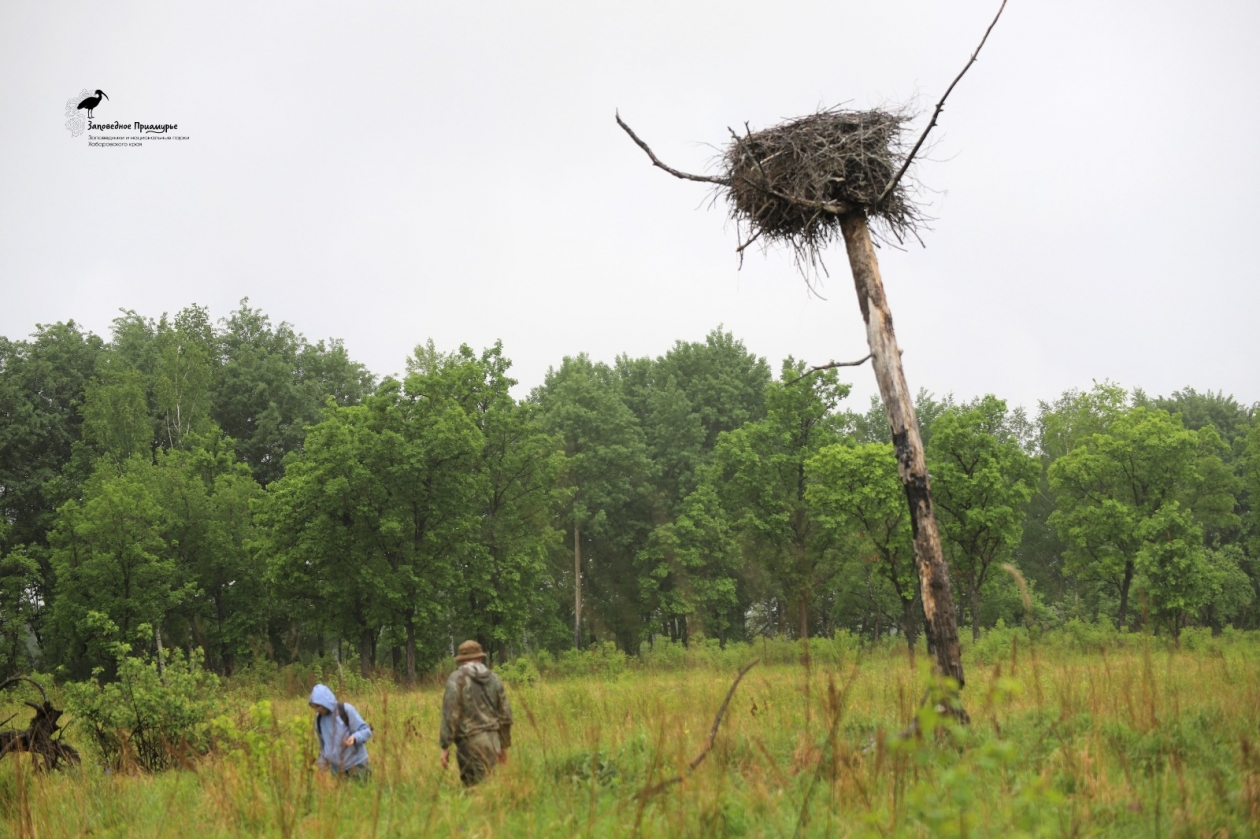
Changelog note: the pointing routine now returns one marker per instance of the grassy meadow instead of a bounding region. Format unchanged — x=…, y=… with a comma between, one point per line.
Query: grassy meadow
x=1073, y=735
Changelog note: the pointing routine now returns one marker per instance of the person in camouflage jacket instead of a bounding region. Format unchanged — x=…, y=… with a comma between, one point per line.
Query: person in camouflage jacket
x=476, y=716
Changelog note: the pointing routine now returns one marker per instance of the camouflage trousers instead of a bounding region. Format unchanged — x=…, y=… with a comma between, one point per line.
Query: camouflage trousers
x=477, y=756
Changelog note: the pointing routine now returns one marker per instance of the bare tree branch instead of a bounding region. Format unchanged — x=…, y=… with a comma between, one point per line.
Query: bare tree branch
x=656, y=161
x=708, y=744
x=831, y=365
x=940, y=106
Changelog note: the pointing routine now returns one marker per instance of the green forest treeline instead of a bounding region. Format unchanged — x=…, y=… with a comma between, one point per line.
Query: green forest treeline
x=236, y=488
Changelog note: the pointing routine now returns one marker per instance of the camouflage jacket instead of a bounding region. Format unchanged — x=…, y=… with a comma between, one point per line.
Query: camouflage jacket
x=475, y=701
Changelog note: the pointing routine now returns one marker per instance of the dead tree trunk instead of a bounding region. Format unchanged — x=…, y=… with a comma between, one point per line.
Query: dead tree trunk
x=938, y=601
x=367, y=649
x=1125, y=584
x=577, y=586
x=411, y=652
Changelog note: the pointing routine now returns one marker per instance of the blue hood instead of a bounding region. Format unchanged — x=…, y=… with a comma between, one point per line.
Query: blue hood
x=333, y=729
x=323, y=695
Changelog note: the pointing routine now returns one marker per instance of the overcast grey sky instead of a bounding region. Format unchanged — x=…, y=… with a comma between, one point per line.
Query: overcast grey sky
x=392, y=172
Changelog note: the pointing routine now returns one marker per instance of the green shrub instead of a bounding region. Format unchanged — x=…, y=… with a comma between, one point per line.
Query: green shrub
x=145, y=719
x=587, y=766
x=602, y=766
x=837, y=652
x=663, y=655
x=597, y=660
x=298, y=678
x=1231, y=637
x=1199, y=638
x=1077, y=635
x=996, y=644
x=258, y=678
x=518, y=672
x=277, y=755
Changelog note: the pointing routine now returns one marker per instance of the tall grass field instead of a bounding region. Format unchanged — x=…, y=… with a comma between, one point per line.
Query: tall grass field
x=1079, y=732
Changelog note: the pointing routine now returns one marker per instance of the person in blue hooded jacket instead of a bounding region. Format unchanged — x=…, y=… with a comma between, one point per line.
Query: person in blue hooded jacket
x=342, y=734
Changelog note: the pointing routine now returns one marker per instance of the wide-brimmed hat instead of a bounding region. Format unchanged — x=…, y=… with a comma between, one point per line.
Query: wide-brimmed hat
x=470, y=651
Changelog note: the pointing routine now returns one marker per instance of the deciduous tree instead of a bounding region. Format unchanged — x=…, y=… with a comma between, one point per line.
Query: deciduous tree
x=982, y=480
x=607, y=473
x=856, y=493
x=760, y=473
x=1136, y=487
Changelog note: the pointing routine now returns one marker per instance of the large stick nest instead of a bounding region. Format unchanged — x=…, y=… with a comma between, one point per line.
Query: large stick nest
x=792, y=183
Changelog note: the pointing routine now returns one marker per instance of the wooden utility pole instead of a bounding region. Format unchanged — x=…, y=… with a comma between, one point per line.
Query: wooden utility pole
x=938, y=602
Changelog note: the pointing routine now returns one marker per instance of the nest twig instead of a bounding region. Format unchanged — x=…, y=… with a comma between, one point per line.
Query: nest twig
x=792, y=183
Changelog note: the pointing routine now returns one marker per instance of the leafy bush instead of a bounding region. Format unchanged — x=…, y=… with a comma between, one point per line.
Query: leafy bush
x=270, y=763
x=663, y=655
x=605, y=659
x=601, y=766
x=1199, y=638
x=600, y=659
x=997, y=644
x=836, y=652
x=262, y=677
x=257, y=678
x=145, y=719
x=1077, y=635
x=587, y=766
x=518, y=672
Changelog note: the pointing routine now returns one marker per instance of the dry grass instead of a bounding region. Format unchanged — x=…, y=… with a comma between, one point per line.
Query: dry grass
x=1133, y=742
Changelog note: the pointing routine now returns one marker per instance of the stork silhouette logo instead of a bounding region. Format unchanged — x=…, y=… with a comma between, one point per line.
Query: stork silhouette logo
x=79, y=110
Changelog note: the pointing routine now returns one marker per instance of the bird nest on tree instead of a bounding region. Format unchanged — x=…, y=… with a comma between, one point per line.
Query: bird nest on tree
x=792, y=183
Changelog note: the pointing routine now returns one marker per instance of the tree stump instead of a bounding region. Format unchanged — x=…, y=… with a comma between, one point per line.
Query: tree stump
x=42, y=736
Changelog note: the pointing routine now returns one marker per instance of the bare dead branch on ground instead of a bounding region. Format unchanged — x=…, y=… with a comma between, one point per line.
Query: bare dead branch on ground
x=708, y=744
x=717, y=721
x=839, y=702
